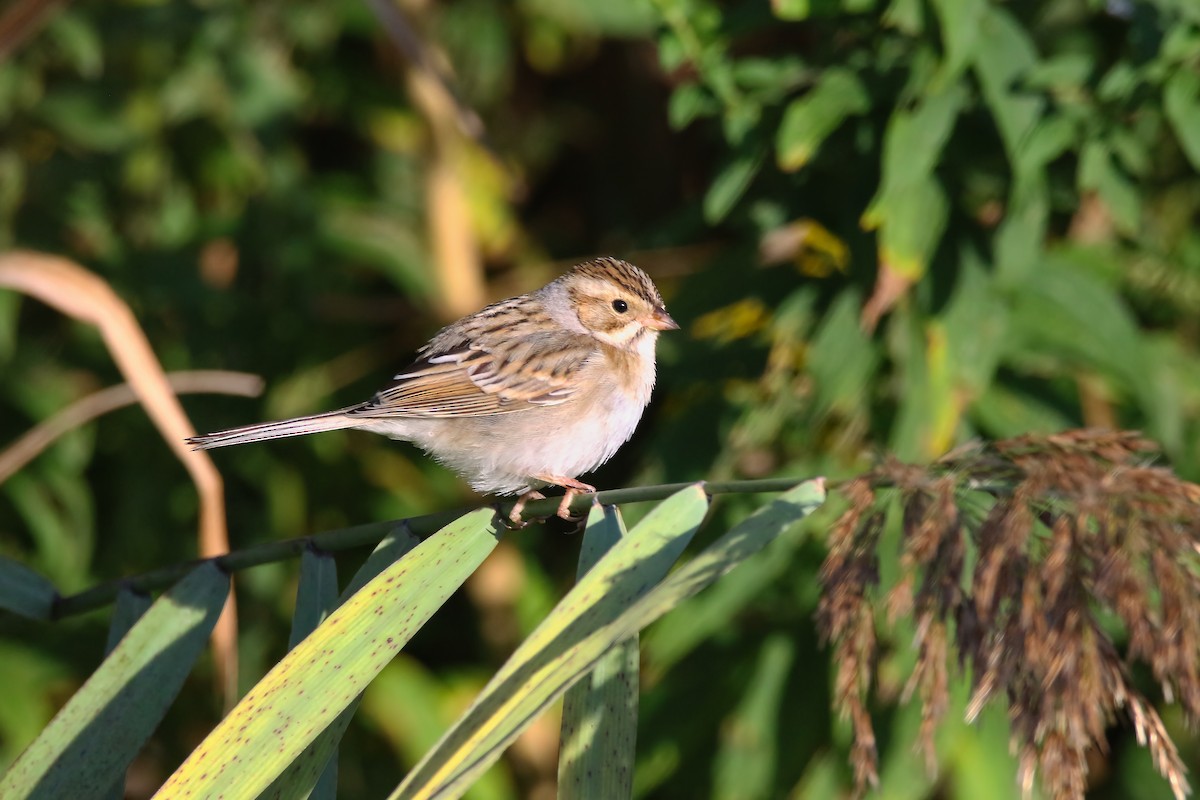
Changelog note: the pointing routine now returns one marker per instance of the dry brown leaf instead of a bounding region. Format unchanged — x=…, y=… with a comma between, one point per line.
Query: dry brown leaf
x=81, y=294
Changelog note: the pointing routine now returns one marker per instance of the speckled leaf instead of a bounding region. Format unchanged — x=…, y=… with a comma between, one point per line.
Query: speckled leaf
x=599, y=719
x=316, y=681
x=25, y=592
x=86, y=748
x=589, y=621
x=316, y=596
x=309, y=767
x=566, y=646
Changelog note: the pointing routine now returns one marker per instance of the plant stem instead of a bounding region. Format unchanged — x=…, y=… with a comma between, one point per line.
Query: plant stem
x=361, y=535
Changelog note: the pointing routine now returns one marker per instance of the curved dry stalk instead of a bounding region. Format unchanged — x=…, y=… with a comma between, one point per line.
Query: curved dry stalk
x=81, y=294
x=86, y=409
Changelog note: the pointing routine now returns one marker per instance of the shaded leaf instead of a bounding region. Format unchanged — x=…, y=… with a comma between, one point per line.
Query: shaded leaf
x=1181, y=102
x=567, y=645
x=729, y=185
x=608, y=620
x=809, y=120
x=600, y=712
x=123, y=701
x=324, y=674
x=317, y=761
x=25, y=592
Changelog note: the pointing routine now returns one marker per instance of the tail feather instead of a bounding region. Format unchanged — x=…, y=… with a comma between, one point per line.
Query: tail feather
x=299, y=426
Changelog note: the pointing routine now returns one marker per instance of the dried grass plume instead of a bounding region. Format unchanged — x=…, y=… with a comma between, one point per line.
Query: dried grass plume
x=1063, y=532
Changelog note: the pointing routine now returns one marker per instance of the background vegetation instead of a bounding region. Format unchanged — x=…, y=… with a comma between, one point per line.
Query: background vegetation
x=886, y=227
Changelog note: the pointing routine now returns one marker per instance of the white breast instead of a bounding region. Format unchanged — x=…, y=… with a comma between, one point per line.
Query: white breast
x=507, y=453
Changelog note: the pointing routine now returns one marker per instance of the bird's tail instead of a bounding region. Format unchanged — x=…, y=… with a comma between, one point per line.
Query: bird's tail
x=299, y=426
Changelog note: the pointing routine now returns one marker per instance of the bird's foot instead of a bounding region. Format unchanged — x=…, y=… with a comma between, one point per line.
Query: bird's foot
x=515, y=522
x=573, y=489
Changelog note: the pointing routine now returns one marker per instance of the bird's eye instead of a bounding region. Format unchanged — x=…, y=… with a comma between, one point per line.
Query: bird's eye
x=620, y=306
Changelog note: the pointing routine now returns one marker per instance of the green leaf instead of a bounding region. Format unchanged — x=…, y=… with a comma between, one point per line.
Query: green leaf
x=85, y=750
x=798, y=10
x=910, y=209
x=1181, y=102
x=976, y=326
x=688, y=103
x=911, y=223
x=25, y=592
x=907, y=16
x=593, y=617
x=78, y=40
x=960, y=23
x=1067, y=312
x=748, y=756
x=567, y=645
x=916, y=137
x=316, y=594
x=841, y=359
x=809, y=120
x=1003, y=54
x=314, y=769
x=1003, y=412
x=599, y=718
x=127, y=610
x=325, y=673
x=1098, y=173
x=729, y=186
x=316, y=597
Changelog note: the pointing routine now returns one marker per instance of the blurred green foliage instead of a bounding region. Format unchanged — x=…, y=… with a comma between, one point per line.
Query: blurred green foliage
x=1005, y=193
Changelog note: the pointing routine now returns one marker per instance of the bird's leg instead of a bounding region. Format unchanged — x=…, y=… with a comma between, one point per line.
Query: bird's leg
x=514, y=516
x=572, y=487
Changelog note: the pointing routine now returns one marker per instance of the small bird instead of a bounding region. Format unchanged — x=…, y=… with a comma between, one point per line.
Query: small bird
x=530, y=392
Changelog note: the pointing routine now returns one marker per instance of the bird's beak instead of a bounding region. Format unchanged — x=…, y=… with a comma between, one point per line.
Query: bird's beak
x=660, y=320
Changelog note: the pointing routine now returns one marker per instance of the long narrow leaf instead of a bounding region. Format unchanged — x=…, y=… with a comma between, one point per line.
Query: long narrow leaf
x=325, y=673
x=599, y=720
x=310, y=766
x=128, y=609
x=559, y=651
x=25, y=592
x=316, y=597
x=584, y=627
x=86, y=748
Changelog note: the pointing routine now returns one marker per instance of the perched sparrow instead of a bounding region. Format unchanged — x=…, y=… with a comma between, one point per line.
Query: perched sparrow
x=529, y=392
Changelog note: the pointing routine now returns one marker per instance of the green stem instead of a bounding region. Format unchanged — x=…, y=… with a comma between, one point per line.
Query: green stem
x=361, y=535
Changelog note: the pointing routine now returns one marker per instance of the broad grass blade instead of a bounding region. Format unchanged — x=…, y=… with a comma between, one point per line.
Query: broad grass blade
x=562, y=649
x=25, y=592
x=316, y=681
x=86, y=748
x=127, y=610
x=609, y=605
x=315, y=765
x=600, y=713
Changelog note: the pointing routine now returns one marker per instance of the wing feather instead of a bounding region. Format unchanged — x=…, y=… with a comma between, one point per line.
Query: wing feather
x=474, y=380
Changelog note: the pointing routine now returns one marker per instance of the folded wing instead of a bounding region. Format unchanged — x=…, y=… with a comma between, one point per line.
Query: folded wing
x=471, y=380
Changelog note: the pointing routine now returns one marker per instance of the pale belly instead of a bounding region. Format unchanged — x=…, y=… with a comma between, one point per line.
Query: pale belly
x=511, y=453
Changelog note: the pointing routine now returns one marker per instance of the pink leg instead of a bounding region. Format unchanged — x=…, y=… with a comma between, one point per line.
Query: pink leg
x=573, y=488
x=514, y=516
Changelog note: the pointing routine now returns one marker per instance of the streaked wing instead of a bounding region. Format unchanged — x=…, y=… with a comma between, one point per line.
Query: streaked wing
x=470, y=380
